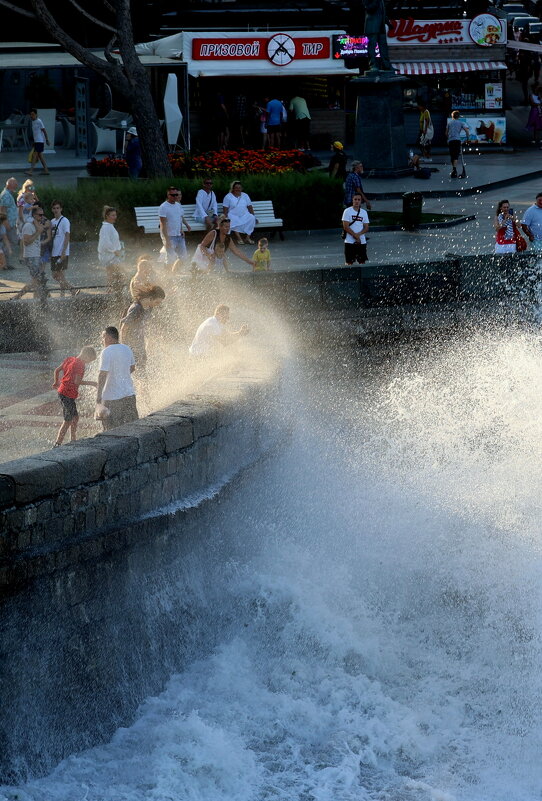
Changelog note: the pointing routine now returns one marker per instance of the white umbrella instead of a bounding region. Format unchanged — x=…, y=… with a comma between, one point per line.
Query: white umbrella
x=172, y=112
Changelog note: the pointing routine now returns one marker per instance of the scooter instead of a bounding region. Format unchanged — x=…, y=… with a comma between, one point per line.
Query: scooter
x=464, y=170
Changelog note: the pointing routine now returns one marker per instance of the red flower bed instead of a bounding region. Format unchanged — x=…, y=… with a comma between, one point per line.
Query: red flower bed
x=110, y=167
x=243, y=161
x=229, y=162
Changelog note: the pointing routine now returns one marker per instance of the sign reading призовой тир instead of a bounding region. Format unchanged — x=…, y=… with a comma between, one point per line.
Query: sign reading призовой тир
x=279, y=48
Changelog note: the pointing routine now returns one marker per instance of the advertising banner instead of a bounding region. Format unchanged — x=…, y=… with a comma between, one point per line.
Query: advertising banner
x=484, y=129
x=484, y=30
x=493, y=95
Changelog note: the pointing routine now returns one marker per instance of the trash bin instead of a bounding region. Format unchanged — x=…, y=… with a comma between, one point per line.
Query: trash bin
x=412, y=209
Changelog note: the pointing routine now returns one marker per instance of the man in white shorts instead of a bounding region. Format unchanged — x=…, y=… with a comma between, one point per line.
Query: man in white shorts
x=212, y=332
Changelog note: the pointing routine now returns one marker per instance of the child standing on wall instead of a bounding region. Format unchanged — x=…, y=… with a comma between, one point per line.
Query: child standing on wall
x=73, y=370
x=262, y=256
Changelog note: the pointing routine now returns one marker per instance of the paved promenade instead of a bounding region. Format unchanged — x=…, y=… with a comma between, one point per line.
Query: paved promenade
x=29, y=414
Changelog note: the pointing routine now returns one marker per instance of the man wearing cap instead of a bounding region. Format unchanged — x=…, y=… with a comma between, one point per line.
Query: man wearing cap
x=132, y=152
x=353, y=185
x=337, y=162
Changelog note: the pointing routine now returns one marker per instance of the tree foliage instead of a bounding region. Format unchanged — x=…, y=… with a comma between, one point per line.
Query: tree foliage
x=124, y=72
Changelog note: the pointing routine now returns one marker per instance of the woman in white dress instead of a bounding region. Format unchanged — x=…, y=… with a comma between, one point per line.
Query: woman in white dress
x=238, y=207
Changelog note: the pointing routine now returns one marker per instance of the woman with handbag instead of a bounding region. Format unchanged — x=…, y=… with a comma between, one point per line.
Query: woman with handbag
x=508, y=238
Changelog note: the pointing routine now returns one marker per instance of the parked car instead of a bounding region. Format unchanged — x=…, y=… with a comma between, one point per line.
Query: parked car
x=524, y=22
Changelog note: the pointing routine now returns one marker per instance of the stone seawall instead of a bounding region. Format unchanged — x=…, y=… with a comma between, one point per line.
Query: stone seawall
x=56, y=507
x=76, y=524
x=382, y=298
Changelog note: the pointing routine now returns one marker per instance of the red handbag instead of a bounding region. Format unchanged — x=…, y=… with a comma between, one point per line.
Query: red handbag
x=521, y=244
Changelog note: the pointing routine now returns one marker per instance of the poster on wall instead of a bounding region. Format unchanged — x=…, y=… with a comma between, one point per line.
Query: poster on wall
x=484, y=130
x=493, y=95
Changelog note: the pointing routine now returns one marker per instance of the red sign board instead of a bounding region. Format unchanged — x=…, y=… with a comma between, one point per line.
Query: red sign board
x=280, y=48
x=430, y=32
x=485, y=30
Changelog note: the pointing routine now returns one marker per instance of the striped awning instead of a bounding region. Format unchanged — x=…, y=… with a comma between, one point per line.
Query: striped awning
x=446, y=67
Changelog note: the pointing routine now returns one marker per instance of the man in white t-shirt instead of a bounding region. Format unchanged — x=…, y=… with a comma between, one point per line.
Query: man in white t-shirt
x=206, y=205
x=39, y=135
x=532, y=223
x=355, y=225
x=60, y=247
x=171, y=227
x=115, y=386
x=212, y=332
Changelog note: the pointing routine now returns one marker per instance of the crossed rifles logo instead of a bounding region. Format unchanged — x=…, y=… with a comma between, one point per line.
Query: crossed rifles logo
x=281, y=49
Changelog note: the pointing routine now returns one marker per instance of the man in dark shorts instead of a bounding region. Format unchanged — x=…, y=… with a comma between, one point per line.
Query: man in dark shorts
x=60, y=247
x=355, y=225
x=40, y=137
x=73, y=370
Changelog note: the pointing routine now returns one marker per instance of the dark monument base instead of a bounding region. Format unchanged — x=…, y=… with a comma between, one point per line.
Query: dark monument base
x=380, y=133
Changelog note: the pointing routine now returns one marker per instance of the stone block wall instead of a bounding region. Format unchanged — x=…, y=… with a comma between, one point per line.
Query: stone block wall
x=97, y=606
x=67, y=504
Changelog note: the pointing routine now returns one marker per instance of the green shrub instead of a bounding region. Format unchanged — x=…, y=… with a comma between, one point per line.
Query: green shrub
x=304, y=201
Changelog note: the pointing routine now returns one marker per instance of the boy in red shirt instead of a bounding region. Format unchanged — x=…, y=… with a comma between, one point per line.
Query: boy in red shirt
x=73, y=370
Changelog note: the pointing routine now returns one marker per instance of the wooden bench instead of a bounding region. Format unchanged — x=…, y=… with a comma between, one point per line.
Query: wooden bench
x=148, y=219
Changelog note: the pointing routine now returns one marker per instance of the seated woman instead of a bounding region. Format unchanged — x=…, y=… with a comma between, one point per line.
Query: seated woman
x=206, y=255
x=206, y=205
x=238, y=208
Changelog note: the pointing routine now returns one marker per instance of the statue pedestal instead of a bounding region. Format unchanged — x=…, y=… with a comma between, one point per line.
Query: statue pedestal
x=380, y=134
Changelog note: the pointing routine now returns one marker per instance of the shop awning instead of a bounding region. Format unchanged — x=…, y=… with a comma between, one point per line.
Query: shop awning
x=226, y=54
x=446, y=67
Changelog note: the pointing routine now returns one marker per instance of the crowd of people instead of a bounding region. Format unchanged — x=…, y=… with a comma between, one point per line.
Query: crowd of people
x=27, y=233
x=123, y=355
x=42, y=241
x=225, y=233
x=124, y=347
x=262, y=123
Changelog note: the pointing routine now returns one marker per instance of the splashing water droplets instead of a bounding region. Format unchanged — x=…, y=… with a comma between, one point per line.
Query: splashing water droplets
x=375, y=599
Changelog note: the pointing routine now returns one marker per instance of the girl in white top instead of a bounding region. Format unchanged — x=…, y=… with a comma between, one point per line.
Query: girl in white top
x=110, y=249
x=505, y=224
x=238, y=207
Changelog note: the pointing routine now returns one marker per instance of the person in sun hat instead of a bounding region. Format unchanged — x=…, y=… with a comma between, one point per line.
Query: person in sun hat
x=132, y=152
x=337, y=162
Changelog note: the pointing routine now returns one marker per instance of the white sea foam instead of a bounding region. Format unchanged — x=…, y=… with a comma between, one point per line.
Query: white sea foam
x=383, y=583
